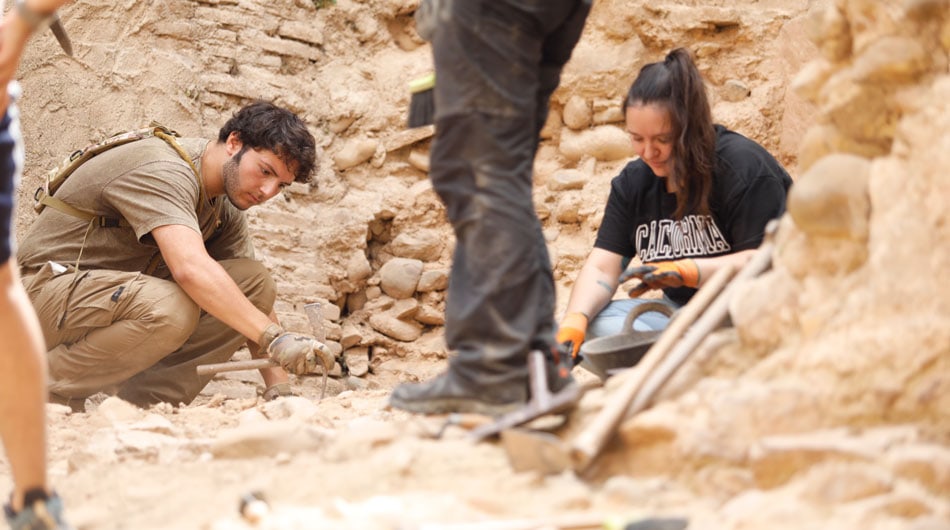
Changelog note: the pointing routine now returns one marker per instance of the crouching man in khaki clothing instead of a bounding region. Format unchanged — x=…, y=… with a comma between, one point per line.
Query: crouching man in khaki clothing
x=166, y=277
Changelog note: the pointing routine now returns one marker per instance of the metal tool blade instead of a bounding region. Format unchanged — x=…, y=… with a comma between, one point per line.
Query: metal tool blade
x=542, y=402
x=530, y=450
x=56, y=25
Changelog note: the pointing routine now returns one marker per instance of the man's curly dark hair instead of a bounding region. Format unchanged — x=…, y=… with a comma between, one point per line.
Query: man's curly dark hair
x=263, y=125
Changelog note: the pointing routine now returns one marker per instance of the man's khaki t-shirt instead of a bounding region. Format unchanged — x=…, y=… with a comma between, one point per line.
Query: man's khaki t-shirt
x=146, y=184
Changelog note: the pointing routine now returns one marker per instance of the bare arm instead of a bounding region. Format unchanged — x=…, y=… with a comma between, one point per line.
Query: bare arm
x=213, y=289
x=596, y=283
x=22, y=386
x=709, y=266
x=600, y=275
x=206, y=281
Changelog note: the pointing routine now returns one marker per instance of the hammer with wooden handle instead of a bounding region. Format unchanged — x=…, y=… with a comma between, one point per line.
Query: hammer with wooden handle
x=324, y=356
x=234, y=366
x=256, y=364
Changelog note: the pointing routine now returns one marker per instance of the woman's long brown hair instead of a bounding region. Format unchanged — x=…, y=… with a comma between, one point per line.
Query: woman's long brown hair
x=676, y=85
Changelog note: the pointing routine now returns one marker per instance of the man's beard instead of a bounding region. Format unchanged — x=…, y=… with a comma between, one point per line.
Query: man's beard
x=229, y=172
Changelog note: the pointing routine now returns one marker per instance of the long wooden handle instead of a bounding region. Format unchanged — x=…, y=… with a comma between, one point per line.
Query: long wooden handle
x=703, y=314
x=706, y=324
x=591, y=441
x=233, y=366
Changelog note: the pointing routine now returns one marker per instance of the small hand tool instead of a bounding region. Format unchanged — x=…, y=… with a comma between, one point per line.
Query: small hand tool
x=56, y=26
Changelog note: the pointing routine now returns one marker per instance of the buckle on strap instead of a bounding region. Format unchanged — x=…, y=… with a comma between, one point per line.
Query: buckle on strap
x=108, y=222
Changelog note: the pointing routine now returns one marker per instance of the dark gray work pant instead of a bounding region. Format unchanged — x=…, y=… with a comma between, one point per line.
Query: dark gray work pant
x=497, y=63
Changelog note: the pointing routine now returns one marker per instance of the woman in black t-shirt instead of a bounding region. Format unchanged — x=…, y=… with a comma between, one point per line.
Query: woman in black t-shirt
x=697, y=197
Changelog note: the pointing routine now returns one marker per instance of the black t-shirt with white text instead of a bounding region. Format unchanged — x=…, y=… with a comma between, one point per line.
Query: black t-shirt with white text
x=749, y=189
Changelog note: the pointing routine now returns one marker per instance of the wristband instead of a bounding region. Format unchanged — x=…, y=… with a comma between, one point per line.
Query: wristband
x=271, y=332
x=33, y=19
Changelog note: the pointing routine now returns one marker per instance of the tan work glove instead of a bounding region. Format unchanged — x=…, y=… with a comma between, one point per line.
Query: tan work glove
x=572, y=331
x=294, y=352
x=662, y=274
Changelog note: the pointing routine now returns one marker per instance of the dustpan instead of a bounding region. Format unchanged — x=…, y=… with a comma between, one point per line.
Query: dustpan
x=604, y=356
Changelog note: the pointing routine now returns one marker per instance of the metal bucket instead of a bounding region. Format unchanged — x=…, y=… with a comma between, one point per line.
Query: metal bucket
x=604, y=356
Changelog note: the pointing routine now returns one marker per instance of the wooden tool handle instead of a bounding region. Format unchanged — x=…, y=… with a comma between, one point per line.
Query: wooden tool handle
x=589, y=443
x=703, y=314
x=706, y=324
x=233, y=366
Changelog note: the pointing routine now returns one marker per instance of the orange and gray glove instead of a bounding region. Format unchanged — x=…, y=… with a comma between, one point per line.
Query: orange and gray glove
x=572, y=331
x=295, y=352
x=662, y=274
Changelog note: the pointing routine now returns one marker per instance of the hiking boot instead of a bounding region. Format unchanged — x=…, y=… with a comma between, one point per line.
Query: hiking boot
x=76, y=404
x=450, y=393
x=80, y=404
x=40, y=512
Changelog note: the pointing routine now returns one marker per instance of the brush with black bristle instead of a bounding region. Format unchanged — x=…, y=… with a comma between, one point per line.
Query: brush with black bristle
x=422, y=101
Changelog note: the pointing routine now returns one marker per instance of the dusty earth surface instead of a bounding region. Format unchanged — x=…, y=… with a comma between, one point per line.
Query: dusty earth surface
x=824, y=407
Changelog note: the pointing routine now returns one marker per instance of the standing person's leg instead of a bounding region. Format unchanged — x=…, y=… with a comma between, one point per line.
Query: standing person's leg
x=556, y=51
x=500, y=304
x=22, y=388
x=174, y=379
x=22, y=366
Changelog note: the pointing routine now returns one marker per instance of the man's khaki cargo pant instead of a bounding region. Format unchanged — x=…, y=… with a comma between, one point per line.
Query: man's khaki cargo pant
x=134, y=335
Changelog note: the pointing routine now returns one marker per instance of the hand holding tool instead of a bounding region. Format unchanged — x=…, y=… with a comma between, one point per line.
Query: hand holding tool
x=320, y=355
x=661, y=274
x=296, y=353
x=572, y=331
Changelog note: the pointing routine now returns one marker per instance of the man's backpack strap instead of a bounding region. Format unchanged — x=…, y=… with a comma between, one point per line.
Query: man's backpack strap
x=43, y=196
x=98, y=220
x=169, y=137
